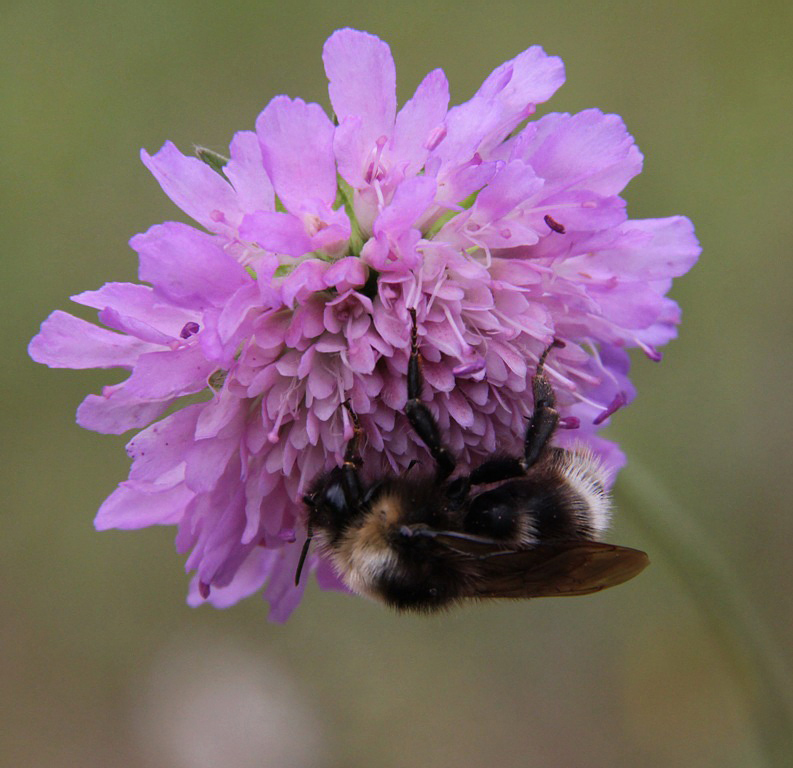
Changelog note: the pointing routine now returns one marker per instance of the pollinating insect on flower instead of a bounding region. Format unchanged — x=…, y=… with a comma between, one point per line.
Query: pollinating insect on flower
x=348, y=274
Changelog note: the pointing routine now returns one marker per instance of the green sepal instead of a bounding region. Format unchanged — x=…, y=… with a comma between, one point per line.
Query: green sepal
x=217, y=379
x=345, y=197
x=213, y=159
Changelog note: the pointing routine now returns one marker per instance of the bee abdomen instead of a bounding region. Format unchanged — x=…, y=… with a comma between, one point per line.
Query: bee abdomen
x=495, y=519
x=500, y=514
x=406, y=593
x=422, y=585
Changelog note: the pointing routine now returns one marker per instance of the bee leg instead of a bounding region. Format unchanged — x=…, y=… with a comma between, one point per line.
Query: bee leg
x=544, y=418
x=350, y=479
x=495, y=470
x=419, y=415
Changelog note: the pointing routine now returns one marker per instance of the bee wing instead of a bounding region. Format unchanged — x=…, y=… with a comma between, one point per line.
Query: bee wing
x=556, y=570
x=545, y=570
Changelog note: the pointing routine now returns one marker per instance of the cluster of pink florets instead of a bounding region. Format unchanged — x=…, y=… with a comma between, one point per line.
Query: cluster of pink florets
x=317, y=238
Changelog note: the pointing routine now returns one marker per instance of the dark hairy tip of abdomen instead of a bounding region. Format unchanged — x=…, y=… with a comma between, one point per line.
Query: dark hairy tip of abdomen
x=423, y=595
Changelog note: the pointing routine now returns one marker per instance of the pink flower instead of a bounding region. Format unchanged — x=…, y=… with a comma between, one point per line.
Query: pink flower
x=293, y=297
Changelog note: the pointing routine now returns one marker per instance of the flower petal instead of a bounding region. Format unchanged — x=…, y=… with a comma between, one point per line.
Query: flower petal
x=129, y=508
x=251, y=576
x=161, y=447
x=362, y=81
x=281, y=592
x=411, y=199
x=588, y=148
x=141, y=303
x=186, y=266
x=112, y=318
x=514, y=183
x=532, y=77
x=114, y=417
x=417, y=120
x=199, y=191
x=66, y=341
x=297, y=150
x=276, y=232
x=245, y=170
x=158, y=378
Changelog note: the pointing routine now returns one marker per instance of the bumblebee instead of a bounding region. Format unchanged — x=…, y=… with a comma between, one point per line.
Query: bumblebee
x=515, y=527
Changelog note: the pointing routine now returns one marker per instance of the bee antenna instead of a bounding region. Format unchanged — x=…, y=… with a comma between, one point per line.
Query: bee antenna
x=303, y=554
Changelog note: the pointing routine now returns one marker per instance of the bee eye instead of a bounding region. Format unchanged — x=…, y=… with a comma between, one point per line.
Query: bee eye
x=433, y=592
x=333, y=497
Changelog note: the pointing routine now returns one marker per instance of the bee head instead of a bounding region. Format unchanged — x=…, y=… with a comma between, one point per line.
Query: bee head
x=328, y=510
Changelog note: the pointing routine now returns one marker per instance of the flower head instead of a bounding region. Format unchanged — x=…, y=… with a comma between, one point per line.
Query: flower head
x=292, y=296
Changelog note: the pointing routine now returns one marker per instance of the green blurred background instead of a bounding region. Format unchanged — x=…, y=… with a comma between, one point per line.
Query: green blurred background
x=103, y=664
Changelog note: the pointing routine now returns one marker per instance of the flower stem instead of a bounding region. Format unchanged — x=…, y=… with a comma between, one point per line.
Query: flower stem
x=730, y=614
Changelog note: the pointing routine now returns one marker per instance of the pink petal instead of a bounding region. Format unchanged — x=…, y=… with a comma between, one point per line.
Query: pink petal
x=589, y=148
x=218, y=414
x=198, y=190
x=410, y=201
x=361, y=357
x=114, y=417
x=226, y=329
x=157, y=379
x=167, y=374
x=134, y=327
x=162, y=446
x=581, y=211
x=505, y=98
x=652, y=249
x=467, y=126
x=514, y=183
x=128, y=508
x=417, y=120
x=327, y=578
x=352, y=151
x=346, y=273
x=297, y=149
x=281, y=592
x=276, y=232
x=329, y=229
x=250, y=578
x=259, y=485
x=207, y=461
x=139, y=302
x=307, y=278
x=187, y=266
x=66, y=341
x=321, y=382
x=362, y=81
x=532, y=77
x=218, y=522
x=628, y=305
x=246, y=172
